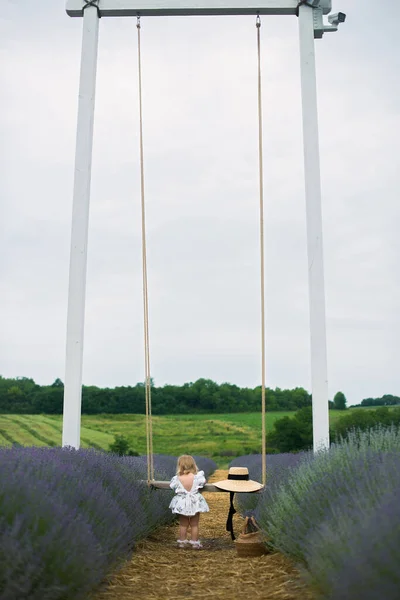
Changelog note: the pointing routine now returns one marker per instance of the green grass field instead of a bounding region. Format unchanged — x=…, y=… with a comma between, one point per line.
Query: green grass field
x=220, y=437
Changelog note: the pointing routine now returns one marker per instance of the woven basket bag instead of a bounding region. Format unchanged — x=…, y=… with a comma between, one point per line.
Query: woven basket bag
x=250, y=541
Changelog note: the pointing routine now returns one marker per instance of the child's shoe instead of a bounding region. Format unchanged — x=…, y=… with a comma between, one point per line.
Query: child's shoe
x=182, y=543
x=196, y=545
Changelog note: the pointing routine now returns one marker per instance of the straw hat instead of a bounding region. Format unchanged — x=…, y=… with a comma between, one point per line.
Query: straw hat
x=238, y=481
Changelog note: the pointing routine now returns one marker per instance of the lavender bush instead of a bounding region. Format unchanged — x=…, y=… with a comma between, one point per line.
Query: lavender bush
x=302, y=497
x=278, y=468
x=355, y=551
x=68, y=517
x=338, y=514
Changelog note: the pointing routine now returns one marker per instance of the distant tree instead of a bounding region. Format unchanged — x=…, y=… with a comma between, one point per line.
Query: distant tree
x=14, y=393
x=48, y=400
x=57, y=383
x=122, y=446
x=386, y=400
x=339, y=401
x=293, y=434
x=285, y=436
x=362, y=420
x=17, y=400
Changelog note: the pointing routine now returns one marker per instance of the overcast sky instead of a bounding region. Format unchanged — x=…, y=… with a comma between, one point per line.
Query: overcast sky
x=200, y=126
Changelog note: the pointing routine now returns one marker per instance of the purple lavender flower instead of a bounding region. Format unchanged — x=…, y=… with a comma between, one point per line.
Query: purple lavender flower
x=354, y=551
x=279, y=466
x=68, y=517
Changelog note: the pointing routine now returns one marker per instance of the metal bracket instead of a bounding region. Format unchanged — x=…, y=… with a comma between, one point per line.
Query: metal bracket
x=318, y=23
x=320, y=27
x=326, y=6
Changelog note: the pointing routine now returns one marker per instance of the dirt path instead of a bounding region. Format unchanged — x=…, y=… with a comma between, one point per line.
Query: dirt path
x=159, y=570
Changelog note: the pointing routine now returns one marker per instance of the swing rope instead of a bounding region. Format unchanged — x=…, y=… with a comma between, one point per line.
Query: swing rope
x=261, y=183
x=149, y=423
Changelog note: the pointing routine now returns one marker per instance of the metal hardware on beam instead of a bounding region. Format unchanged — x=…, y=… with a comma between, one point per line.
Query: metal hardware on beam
x=319, y=27
x=163, y=8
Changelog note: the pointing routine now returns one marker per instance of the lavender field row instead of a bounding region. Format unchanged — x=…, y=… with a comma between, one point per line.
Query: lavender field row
x=68, y=518
x=337, y=514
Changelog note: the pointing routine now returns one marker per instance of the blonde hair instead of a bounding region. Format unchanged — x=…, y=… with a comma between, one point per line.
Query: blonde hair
x=186, y=464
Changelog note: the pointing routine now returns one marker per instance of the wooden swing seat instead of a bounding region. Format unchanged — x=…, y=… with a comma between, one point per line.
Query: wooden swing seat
x=208, y=487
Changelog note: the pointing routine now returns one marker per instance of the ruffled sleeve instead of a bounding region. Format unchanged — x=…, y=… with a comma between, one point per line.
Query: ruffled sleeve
x=200, y=479
x=174, y=482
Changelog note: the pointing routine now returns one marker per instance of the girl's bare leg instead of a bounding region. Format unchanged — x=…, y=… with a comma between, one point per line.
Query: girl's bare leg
x=194, y=524
x=183, y=527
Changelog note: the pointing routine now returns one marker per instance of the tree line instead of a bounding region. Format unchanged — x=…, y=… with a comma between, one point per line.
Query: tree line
x=293, y=434
x=23, y=396
x=386, y=400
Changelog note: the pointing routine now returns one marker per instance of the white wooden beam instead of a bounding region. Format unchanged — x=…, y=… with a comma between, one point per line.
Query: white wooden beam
x=162, y=8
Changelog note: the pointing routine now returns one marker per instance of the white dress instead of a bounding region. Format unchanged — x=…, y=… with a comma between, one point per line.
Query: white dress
x=188, y=503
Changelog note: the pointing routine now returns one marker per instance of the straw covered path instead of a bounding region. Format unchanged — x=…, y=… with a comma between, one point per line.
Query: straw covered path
x=159, y=570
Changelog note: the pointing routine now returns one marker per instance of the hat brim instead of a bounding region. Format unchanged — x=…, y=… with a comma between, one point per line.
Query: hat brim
x=231, y=485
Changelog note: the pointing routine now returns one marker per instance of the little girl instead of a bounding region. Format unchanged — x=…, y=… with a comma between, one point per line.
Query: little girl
x=188, y=503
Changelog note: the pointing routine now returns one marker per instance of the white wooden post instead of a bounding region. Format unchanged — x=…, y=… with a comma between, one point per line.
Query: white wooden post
x=319, y=370
x=79, y=233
